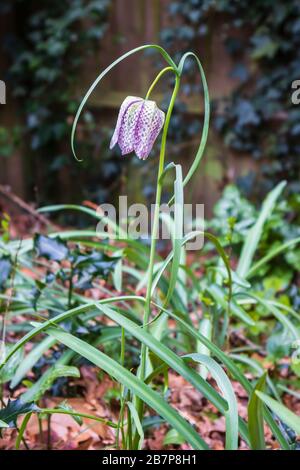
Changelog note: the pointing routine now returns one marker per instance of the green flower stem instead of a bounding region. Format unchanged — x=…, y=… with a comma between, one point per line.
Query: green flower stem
x=161, y=73
x=144, y=349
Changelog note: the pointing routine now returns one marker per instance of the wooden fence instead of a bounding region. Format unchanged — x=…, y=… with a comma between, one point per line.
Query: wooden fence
x=132, y=23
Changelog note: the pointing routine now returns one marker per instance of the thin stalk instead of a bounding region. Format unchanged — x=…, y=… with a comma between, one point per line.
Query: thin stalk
x=122, y=356
x=122, y=397
x=6, y=311
x=22, y=439
x=144, y=349
x=129, y=430
x=40, y=429
x=49, y=442
x=161, y=73
x=21, y=432
x=70, y=290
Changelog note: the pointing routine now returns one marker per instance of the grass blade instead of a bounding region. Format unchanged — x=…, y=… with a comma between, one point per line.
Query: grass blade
x=187, y=238
x=22, y=430
x=272, y=254
x=255, y=233
x=231, y=416
x=205, y=129
x=30, y=360
x=126, y=378
x=35, y=392
x=167, y=355
x=205, y=328
x=256, y=416
x=104, y=73
x=269, y=306
x=137, y=423
x=221, y=298
x=237, y=374
x=286, y=415
x=178, y=233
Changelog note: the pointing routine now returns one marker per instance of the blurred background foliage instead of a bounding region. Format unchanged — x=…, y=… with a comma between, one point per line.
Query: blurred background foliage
x=51, y=52
x=258, y=118
x=47, y=45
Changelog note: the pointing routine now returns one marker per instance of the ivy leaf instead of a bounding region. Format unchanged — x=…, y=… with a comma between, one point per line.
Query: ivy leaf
x=240, y=72
x=246, y=114
x=88, y=266
x=36, y=293
x=51, y=248
x=15, y=408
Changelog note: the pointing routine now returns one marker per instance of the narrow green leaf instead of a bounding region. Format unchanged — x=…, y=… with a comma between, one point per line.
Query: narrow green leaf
x=286, y=415
x=187, y=238
x=173, y=437
x=237, y=374
x=289, y=391
x=166, y=355
x=269, y=306
x=117, y=275
x=205, y=328
x=257, y=367
x=30, y=360
x=205, y=128
x=272, y=254
x=221, y=298
x=236, y=279
x=74, y=413
x=126, y=378
x=22, y=430
x=285, y=308
x=178, y=233
x=255, y=233
x=45, y=382
x=9, y=370
x=231, y=416
x=104, y=73
x=64, y=316
x=137, y=423
x=256, y=416
x=3, y=424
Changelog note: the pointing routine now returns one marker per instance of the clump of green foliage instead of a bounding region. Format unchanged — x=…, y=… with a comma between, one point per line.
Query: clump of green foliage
x=239, y=294
x=47, y=46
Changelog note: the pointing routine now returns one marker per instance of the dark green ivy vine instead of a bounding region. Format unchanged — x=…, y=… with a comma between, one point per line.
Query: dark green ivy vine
x=47, y=46
x=259, y=118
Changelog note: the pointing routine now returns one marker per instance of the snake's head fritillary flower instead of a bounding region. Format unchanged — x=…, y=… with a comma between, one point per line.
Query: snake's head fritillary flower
x=138, y=125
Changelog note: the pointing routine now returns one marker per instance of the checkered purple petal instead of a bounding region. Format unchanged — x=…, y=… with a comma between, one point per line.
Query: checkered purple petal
x=130, y=100
x=150, y=124
x=138, y=125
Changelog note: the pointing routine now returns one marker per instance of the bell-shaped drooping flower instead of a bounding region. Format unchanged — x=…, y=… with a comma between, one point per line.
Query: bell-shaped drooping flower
x=138, y=125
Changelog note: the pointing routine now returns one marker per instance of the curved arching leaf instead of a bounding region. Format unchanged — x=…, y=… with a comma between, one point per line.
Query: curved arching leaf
x=203, y=140
x=186, y=238
x=133, y=383
x=224, y=384
x=164, y=54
